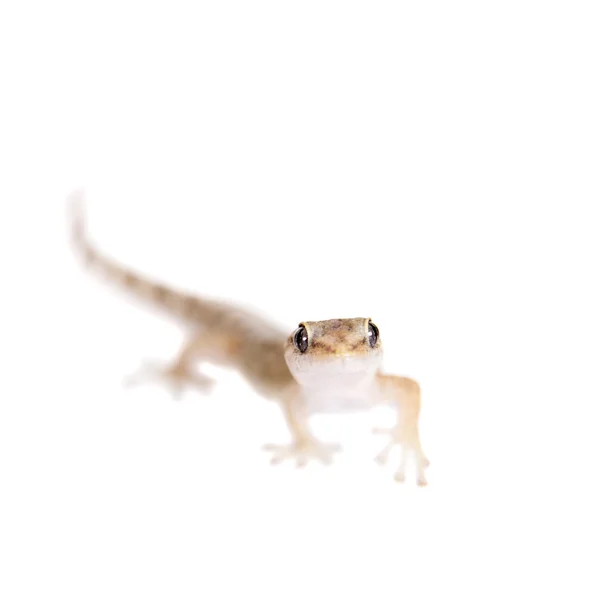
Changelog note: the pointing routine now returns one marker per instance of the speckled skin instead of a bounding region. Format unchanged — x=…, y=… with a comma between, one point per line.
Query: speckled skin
x=339, y=369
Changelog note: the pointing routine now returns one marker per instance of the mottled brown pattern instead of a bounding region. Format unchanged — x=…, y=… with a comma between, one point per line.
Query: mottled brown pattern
x=319, y=345
x=129, y=279
x=160, y=292
x=338, y=337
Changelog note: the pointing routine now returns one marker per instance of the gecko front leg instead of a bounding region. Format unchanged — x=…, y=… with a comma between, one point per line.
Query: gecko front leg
x=405, y=393
x=304, y=447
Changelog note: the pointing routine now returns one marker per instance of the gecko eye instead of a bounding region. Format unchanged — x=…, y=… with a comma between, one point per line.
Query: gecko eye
x=373, y=335
x=301, y=339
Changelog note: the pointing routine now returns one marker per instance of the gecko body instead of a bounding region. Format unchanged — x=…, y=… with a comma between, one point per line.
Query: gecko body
x=321, y=366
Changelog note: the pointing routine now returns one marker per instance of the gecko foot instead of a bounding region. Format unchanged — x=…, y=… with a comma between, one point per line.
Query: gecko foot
x=414, y=449
x=175, y=378
x=302, y=452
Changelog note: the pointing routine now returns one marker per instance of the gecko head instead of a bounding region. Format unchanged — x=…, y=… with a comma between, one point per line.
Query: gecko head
x=336, y=350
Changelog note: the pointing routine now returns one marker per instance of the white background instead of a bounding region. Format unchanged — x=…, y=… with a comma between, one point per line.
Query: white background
x=432, y=165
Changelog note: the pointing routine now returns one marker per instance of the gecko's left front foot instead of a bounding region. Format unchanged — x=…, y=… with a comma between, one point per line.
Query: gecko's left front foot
x=303, y=451
x=407, y=447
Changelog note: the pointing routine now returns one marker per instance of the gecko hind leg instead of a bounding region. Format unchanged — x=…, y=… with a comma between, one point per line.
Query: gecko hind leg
x=175, y=377
x=182, y=372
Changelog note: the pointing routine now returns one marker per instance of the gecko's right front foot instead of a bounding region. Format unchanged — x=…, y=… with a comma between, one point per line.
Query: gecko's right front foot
x=303, y=451
x=175, y=378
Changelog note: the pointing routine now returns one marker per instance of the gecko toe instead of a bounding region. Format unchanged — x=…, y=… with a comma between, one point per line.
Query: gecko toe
x=400, y=476
x=302, y=452
x=408, y=448
x=383, y=456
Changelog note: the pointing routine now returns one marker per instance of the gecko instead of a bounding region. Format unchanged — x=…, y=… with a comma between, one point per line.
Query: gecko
x=321, y=366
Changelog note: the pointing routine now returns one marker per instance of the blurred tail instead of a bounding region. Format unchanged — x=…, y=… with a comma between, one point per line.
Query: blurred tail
x=178, y=303
x=76, y=213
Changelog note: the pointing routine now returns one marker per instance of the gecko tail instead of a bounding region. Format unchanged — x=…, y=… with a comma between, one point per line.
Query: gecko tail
x=179, y=304
x=77, y=225
x=86, y=251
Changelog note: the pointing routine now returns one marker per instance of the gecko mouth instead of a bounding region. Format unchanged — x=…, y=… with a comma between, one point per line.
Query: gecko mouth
x=338, y=365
